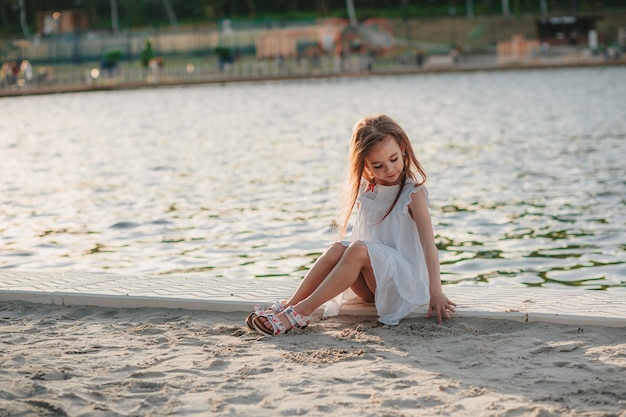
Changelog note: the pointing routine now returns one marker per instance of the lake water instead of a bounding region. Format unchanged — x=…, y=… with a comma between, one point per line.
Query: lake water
x=527, y=178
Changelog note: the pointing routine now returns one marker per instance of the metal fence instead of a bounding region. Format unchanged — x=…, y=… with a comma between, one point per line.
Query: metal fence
x=202, y=69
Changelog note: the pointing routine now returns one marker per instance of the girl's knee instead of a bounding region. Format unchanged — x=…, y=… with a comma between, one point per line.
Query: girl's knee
x=357, y=249
x=335, y=251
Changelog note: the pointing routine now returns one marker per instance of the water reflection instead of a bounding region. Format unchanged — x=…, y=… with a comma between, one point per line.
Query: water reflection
x=527, y=180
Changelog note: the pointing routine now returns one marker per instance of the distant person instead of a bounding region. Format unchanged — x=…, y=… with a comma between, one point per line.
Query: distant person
x=419, y=59
x=391, y=260
x=11, y=70
x=4, y=72
x=455, y=54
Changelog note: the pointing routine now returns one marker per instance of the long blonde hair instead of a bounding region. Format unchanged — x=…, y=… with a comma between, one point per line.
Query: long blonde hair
x=366, y=135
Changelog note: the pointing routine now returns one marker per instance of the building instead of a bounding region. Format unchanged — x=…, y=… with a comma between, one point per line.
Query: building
x=566, y=30
x=61, y=21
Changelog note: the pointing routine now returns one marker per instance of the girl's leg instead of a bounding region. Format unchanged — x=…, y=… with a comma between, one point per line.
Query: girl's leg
x=362, y=290
x=353, y=266
x=320, y=270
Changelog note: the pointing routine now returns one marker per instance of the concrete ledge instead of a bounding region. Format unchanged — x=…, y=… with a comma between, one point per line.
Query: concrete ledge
x=565, y=306
x=118, y=301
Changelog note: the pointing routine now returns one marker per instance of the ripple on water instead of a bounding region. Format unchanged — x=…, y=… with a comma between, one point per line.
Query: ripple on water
x=526, y=175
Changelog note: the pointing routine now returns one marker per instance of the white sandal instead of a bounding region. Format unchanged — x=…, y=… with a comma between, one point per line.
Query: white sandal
x=296, y=320
x=277, y=307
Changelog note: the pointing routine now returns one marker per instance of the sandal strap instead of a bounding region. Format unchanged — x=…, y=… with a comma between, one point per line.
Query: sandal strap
x=296, y=319
x=277, y=307
x=270, y=317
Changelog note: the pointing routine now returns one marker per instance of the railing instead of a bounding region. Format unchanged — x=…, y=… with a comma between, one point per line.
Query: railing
x=200, y=69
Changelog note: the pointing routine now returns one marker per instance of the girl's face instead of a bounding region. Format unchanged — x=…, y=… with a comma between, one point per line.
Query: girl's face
x=385, y=162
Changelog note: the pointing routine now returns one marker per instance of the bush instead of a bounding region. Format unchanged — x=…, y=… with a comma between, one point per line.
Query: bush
x=147, y=54
x=113, y=56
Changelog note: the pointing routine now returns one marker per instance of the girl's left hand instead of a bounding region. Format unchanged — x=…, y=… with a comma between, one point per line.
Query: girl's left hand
x=440, y=306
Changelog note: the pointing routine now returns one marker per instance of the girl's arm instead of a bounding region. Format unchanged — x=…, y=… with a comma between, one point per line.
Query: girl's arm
x=440, y=305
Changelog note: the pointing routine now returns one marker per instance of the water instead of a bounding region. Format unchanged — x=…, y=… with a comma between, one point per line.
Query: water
x=526, y=175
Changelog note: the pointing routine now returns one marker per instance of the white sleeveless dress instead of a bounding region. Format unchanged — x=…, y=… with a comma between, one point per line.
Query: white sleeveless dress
x=395, y=251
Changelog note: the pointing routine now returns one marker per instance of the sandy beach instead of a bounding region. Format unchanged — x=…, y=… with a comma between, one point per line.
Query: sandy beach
x=95, y=361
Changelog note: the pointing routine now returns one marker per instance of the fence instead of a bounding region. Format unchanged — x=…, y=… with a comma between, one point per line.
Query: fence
x=203, y=69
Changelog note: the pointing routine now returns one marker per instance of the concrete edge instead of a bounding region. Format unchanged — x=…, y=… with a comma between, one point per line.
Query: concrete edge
x=116, y=301
x=577, y=320
x=227, y=305
x=80, y=88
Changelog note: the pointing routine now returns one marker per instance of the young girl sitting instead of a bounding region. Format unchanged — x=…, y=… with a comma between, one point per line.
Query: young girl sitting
x=391, y=260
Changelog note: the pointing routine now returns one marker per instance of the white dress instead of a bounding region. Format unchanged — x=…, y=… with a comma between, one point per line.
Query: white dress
x=395, y=251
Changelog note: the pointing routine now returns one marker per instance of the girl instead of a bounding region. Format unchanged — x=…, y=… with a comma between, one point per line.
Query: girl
x=391, y=260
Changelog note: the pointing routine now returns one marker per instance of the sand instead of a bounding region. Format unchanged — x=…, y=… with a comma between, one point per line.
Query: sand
x=94, y=361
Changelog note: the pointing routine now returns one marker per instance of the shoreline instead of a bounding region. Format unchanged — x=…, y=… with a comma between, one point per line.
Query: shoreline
x=440, y=69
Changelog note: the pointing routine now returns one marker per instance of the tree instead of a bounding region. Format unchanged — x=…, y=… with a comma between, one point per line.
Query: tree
x=115, y=23
x=321, y=7
x=351, y=12
x=170, y=12
x=506, y=11
x=147, y=54
x=252, y=9
x=23, y=22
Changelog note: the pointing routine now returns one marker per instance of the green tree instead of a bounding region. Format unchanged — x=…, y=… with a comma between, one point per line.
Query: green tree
x=147, y=54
